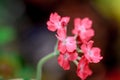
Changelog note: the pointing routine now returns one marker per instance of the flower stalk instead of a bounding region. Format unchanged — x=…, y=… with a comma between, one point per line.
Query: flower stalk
x=44, y=60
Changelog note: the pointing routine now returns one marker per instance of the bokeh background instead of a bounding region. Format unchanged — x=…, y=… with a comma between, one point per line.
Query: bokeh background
x=24, y=38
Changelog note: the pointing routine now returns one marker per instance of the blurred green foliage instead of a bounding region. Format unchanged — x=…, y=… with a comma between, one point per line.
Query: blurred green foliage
x=7, y=34
x=27, y=73
x=12, y=66
x=9, y=64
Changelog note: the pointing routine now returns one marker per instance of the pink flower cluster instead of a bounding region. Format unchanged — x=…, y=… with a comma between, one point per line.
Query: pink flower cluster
x=78, y=48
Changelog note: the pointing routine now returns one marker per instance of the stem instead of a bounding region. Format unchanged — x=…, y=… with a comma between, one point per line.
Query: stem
x=79, y=50
x=40, y=64
x=78, y=58
x=43, y=60
x=75, y=62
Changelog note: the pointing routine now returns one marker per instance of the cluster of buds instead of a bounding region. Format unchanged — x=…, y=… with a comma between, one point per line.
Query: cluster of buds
x=77, y=48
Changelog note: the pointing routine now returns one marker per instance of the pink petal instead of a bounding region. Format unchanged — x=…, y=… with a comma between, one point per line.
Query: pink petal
x=61, y=47
x=70, y=44
x=96, y=51
x=61, y=33
x=90, y=33
x=64, y=21
x=83, y=36
x=83, y=70
x=64, y=63
x=83, y=48
x=86, y=22
x=86, y=36
x=54, y=17
x=75, y=31
x=51, y=26
x=77, y=22
x=96, y=55
x=73, y=56
x=90, y=44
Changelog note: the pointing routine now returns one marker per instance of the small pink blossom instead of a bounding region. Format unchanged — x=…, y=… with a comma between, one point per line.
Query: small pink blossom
x=56, y=22
x=68, y=44
x=83, y=70
x=91, y=53
x=83, y=29
x=61, y=34
x=65, y=58
x=65, y=43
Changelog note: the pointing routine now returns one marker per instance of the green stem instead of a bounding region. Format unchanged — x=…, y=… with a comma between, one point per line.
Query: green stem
x=79, y=50
x=40, y=64
x=75, y=62
x=43, y=60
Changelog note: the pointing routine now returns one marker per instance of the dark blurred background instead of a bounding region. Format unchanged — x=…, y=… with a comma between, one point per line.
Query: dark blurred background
x=24, y=38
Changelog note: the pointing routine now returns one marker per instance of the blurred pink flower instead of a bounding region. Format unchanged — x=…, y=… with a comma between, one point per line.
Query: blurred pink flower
x=56, y=22
x=83, y=29
x=65, y=58
x=83, y=70
x=68, y=44
x=91, y=53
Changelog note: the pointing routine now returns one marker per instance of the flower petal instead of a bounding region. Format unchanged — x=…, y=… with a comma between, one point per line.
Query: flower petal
x=64, y=63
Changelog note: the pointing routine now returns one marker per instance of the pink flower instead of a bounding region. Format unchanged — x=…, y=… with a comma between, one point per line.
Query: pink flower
x=61, y=34
x=65, y=58
x=83, y=70
x=91, y=53
x=56, y=22
x=67, y=44
x=83, y=29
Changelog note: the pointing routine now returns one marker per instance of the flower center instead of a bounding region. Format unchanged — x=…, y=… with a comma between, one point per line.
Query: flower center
x=90, y=52
x=58, y=25
x=82, y=29
x=66, y=56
